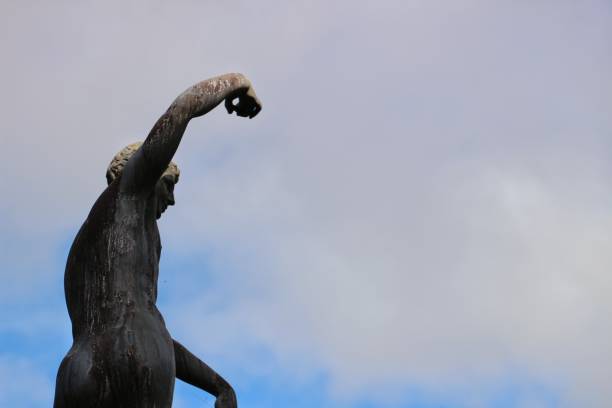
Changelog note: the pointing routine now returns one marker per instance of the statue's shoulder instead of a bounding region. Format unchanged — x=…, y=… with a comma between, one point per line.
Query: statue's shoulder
x=105, y=206
x=92, y=231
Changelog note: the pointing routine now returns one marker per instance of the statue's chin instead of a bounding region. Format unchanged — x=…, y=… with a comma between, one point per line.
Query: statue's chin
x=160, y=210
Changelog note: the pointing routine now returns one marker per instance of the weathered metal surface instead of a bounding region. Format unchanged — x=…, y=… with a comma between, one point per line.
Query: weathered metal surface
x=122, y=354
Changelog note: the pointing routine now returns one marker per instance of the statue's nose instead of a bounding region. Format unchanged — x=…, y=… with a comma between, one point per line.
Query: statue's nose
x=171, y=199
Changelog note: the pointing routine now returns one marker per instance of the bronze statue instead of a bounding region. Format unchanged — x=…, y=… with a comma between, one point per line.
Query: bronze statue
x=122, y=354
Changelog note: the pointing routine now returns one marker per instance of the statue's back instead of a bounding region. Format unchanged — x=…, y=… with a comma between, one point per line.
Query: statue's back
x=122, y=354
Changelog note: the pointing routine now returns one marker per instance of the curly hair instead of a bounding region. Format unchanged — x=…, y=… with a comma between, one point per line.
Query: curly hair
x=119, y=161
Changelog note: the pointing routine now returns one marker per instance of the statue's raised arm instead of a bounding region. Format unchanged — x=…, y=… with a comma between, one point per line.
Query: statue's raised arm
x=152, y=158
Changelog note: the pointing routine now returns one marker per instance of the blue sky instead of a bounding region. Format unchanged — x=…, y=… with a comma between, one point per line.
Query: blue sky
x=421, y=216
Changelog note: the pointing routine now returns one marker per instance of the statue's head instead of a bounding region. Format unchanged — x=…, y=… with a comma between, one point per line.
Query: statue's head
x=164, y=189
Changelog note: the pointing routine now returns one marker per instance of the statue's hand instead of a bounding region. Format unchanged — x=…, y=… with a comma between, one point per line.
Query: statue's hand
x=248, y=104
x=226, y=399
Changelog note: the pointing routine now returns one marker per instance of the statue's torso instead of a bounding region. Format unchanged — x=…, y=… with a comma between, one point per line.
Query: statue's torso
x=113, y=264
x=120, y=339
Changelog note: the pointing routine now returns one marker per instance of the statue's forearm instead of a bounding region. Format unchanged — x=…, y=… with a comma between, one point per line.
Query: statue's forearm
x=197, y=100
x=204, y=96
x=192, y=370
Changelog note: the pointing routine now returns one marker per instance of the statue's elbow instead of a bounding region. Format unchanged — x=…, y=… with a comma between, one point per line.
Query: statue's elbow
x=182, y=107
x=224, y=388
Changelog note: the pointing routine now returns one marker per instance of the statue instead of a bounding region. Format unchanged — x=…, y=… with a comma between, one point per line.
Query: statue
x=122, y=354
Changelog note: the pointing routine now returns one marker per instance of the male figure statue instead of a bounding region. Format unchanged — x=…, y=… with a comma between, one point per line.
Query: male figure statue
x=122, y=354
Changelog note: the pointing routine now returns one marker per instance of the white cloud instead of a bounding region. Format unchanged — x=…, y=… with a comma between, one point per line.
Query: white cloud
x=424, y=199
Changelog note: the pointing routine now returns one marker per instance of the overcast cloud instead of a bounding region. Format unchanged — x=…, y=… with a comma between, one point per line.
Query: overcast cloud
x=424, y=201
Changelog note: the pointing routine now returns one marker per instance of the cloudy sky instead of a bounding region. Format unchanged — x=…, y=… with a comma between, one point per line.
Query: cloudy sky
x=421, y=215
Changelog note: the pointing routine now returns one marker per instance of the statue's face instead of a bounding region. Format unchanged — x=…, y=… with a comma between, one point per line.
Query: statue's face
x=164, y=193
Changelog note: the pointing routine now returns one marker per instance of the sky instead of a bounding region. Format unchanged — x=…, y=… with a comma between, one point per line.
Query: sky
x=420, y=216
